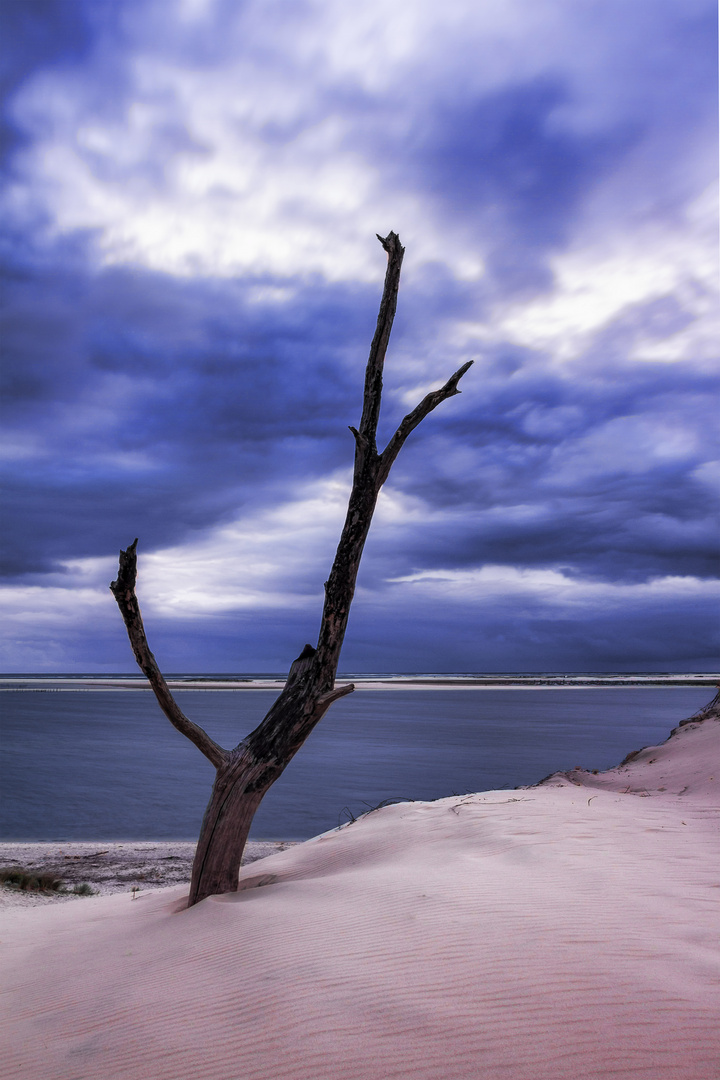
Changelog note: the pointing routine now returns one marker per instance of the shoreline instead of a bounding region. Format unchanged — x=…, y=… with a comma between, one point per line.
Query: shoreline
x=561, y=929
x=135, y=866
x=110, y=867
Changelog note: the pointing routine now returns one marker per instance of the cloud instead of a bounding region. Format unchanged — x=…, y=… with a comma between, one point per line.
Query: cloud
x=191, y=282
x=651, y=296
x=511, y=618
x=136, y=402
x=230, y=142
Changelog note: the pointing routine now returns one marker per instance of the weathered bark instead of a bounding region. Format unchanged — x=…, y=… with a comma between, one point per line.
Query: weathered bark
x=245, y=773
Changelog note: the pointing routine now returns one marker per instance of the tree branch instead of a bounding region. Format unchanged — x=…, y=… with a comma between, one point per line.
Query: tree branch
x=411, y=421
x=123, y=589
x=371, y=472
x=325, y=700
x=374, y=370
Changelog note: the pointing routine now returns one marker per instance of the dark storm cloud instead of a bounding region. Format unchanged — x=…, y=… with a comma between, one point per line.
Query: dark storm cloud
x=35, y=34
x=629, y=517
x=643, y=635
x=160, y=406
x=142, y=403
x=565, y=466
x=39, y=35
x=517, y=163
x=500, y=163
x=497, y=634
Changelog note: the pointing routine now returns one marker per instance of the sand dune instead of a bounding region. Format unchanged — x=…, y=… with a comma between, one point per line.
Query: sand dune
x=563, y=931
x=683, y=766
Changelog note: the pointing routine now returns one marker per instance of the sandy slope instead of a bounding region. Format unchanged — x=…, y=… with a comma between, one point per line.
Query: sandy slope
x=687, y=764
x=564, y=931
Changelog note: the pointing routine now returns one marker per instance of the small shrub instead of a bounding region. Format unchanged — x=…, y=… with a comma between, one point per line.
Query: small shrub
x=83, y=889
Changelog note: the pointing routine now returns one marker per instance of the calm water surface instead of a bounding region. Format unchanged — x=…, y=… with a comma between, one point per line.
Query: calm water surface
x=108, y=765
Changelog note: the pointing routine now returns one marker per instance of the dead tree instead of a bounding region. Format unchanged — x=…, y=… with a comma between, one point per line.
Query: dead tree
x=245, y=773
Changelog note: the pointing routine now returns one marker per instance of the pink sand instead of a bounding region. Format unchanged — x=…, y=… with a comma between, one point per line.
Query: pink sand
x=565, y=931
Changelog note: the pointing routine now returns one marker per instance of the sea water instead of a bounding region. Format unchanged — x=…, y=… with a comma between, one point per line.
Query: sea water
x=107, y=765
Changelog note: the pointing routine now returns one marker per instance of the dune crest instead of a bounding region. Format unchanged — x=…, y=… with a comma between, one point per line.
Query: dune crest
x=686, y=764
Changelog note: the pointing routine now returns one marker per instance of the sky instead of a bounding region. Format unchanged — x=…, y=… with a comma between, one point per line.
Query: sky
x=191, y=192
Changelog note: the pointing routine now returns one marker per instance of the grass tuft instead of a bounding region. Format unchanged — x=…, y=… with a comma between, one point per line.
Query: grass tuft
x=29, y=880
x=15, y=877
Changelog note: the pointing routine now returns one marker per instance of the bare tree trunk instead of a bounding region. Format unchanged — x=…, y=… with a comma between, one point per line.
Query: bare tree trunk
x=245, y=773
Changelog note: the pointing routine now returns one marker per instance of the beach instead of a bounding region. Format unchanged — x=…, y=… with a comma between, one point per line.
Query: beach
x=561, y=930
x=108, y=867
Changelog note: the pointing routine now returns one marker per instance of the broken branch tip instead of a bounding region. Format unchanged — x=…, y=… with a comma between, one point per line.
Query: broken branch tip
x=390, y=242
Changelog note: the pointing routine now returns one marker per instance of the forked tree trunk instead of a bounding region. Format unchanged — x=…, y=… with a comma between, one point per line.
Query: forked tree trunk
x=245, y=773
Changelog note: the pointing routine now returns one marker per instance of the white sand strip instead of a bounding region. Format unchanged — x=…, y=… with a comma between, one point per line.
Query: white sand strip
x=547, y=934
x=76, y=684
